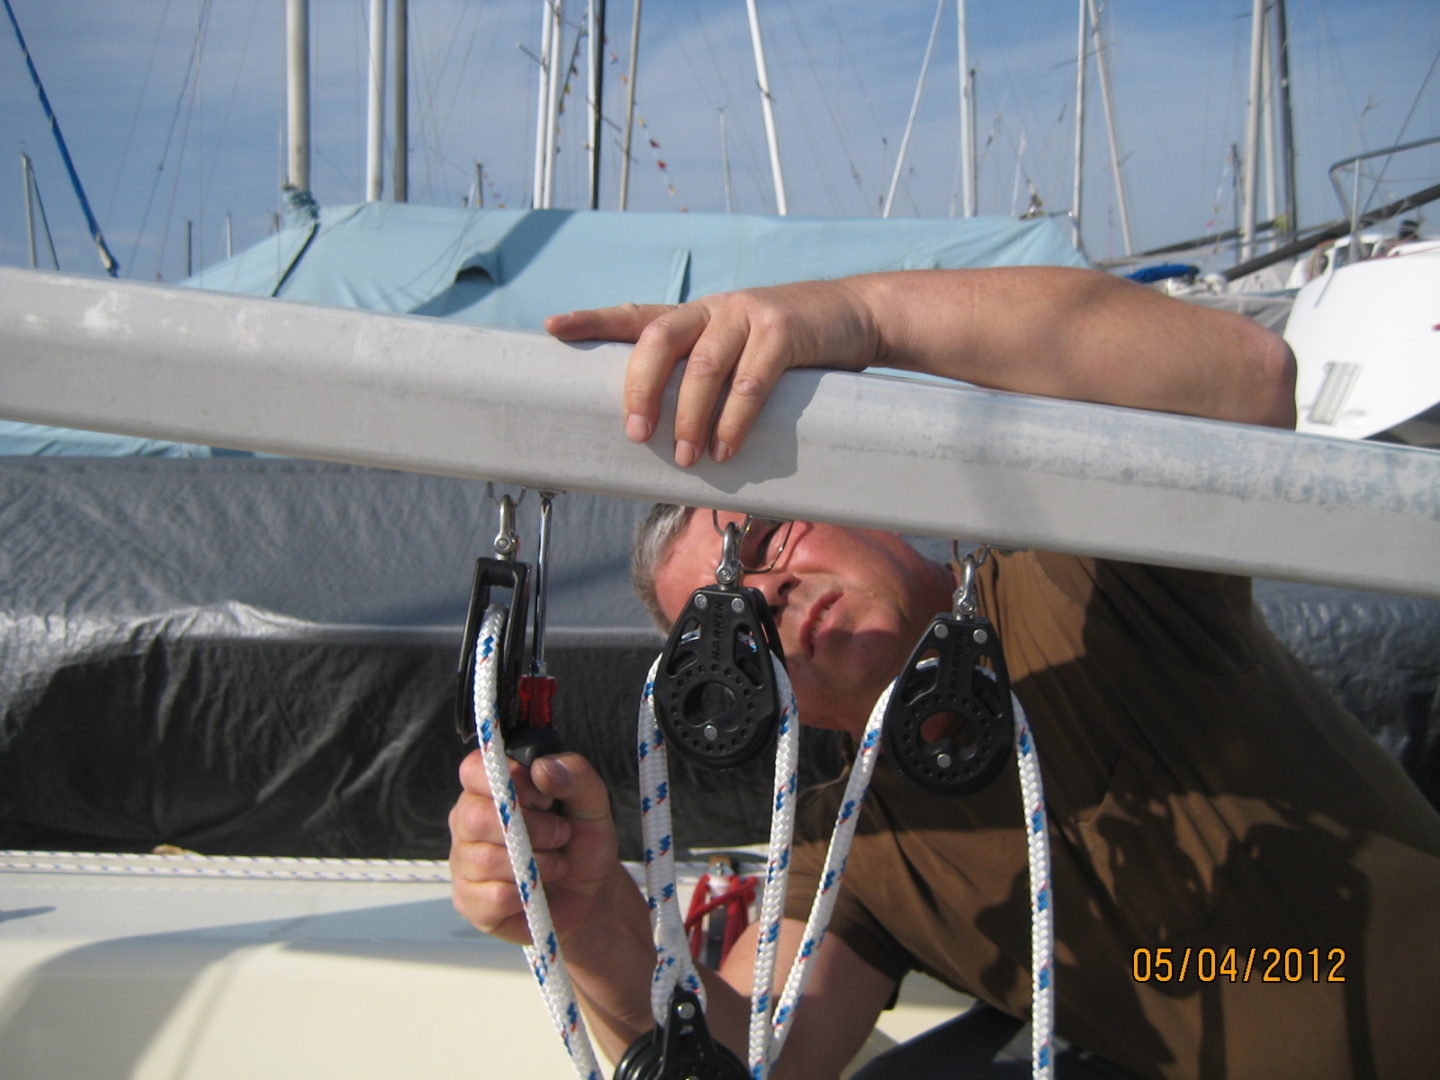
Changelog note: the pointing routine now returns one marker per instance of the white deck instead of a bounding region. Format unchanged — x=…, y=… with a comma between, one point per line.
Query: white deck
x=185, y=968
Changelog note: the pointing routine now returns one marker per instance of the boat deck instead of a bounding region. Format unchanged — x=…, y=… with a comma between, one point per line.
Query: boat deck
x=183, y=966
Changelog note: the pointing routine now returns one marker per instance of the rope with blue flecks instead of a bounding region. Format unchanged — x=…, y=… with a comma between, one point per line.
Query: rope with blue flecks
x=673, y=962
x=767, y=1034
x=543, y=953
x=831, y=875
x=1042, y=913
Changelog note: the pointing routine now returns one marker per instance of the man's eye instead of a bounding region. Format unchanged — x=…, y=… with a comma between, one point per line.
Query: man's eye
x=760, y=551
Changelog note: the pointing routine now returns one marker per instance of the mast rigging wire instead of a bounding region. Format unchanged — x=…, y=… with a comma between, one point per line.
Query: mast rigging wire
x=106, y=259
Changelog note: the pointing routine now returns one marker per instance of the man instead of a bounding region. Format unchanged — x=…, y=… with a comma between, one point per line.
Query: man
x=1204, y=793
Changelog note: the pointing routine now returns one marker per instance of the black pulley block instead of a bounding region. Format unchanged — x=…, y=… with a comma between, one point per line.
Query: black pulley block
x=716, y=697
x=949, y=726
x=491, y=574
x=680, y=1049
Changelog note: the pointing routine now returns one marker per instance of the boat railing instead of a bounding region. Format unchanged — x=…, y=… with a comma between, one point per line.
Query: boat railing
x=1350, y=201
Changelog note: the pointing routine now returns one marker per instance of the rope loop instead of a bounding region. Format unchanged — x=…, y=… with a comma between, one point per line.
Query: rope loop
x=771, y=1018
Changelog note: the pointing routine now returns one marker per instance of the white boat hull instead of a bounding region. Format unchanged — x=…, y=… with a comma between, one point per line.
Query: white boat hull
x=1366, y=338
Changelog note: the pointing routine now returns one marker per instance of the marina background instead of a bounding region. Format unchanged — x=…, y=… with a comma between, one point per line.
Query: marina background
x=175, y=112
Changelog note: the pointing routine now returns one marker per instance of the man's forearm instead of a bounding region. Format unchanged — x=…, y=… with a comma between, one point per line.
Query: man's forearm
x=612, y=965
x=1082, y=335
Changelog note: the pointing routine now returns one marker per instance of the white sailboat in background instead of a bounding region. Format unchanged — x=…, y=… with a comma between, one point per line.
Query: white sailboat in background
x=1365, y=328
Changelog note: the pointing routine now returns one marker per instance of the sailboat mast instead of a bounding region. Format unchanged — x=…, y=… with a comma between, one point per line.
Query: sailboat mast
x=555, y=71
x=1287, y=125
x=537, y=189
x=725, y=163
x=1077, y=191
x=967, y=116
x=1252, y=132
x=1102, y=65
x=401, y=183
x=1267, y=127
x=297, y=93
x=914, y=109
x=629, y=106
x=767, y=104
x=375, y=142
x=27, y=181
x=595, y=22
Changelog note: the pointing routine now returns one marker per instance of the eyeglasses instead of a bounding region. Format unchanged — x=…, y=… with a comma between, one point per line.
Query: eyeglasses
x=762, y=541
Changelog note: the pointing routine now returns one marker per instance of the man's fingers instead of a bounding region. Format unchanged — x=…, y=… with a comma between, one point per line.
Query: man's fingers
x=664, y=342
x=475, y=780
x=713, y=357
x=493, y=907
x=760, y=366
x=573, y=781
x=624, y=322
x=479, y=863
x=473, y=820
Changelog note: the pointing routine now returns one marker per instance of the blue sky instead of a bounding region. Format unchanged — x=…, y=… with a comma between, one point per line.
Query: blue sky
x=174, y=111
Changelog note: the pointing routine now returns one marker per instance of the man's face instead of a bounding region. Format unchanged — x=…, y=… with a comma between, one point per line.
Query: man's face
x=849, y=605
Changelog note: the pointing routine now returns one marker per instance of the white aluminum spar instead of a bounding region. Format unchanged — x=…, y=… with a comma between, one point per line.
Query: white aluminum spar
x=517, y=407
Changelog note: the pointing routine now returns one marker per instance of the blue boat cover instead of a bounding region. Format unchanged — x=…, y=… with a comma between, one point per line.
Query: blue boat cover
x=511, y=268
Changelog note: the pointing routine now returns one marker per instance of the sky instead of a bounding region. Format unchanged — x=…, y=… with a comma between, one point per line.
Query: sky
x=174, y=112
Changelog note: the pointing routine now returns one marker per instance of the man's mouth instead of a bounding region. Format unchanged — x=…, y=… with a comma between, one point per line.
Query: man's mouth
x=813, y=620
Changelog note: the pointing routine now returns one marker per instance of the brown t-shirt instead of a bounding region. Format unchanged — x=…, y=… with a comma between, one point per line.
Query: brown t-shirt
x=1205, y=795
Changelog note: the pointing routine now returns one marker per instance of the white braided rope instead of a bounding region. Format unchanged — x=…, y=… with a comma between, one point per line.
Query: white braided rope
x=767, y=1035
x=543, y=953
x=673, y=962
x=1042, y=914
x=826, y=892
x=777, y=873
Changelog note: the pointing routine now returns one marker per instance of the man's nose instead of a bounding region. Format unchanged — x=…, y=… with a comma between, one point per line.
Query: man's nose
x=775, y=586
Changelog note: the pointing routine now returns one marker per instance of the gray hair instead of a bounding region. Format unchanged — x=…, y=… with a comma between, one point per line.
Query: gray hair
x=653, y=538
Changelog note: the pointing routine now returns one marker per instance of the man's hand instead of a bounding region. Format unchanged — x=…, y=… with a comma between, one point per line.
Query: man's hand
x=567, y=812
x=1081, y=335
x=738, y=345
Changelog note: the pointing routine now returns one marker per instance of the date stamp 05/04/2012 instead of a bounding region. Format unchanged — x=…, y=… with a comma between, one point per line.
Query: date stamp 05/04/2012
x=1264, y=964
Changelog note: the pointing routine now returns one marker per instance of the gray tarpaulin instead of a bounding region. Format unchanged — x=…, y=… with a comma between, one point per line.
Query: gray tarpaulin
x=257, y=656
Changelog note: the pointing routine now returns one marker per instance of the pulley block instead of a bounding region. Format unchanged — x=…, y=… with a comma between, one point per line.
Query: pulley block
x=680, y=1049
x=717, y=700
x=950, y=725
